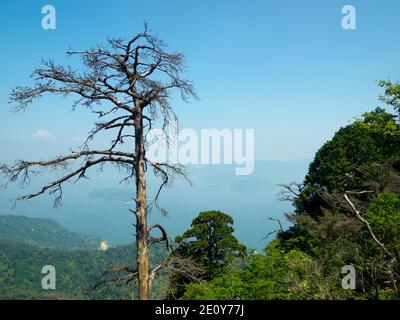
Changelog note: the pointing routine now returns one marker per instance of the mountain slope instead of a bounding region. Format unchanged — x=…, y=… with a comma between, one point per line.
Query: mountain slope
x=44, y=233
x=76, y=271
x=27, y=245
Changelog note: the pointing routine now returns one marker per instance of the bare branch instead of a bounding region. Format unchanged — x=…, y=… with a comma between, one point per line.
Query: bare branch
x=21, y=171
x=128, y=84
x=367, y=224
x=164, y=236
x=290, y=191
x=274, y=231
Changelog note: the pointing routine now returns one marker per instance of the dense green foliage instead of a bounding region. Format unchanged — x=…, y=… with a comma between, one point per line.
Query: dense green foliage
x=210, y=243
x=392, y=94
x=347, y=161
x=277, y=274
x=384, y=216
x=347, y=213
x=77, y=271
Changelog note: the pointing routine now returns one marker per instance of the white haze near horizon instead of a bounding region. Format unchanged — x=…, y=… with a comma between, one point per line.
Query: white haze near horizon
x=99, y=206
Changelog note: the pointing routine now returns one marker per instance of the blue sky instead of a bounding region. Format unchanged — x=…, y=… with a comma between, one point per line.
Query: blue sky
x=285, y=68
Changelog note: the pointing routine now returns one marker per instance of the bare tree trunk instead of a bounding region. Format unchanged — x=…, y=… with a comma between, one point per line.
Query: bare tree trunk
x=136, y=78
x=141, y=210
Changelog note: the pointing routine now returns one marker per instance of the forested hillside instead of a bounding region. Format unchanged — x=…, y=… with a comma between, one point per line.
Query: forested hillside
x=44, y=233
x=78, y=269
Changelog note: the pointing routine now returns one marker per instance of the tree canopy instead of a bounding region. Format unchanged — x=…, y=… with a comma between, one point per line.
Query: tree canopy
x=347, y=161
x=211, y=242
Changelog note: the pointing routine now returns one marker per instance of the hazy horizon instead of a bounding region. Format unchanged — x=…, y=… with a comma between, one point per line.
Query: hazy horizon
x=99, y=206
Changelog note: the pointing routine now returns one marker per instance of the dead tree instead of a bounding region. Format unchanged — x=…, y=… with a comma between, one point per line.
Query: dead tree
x=126, y=278
x=129, y=85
